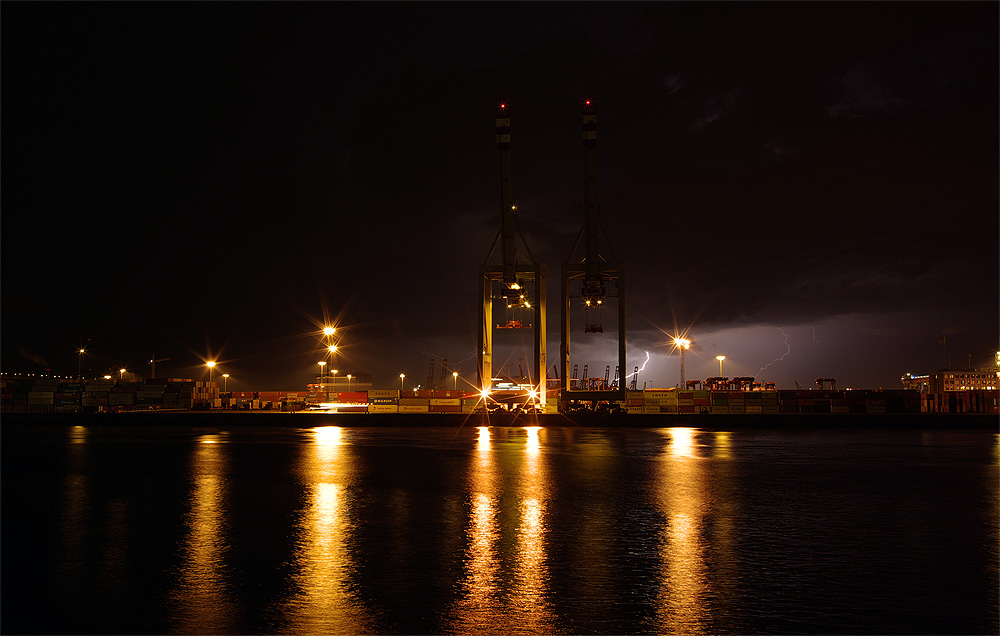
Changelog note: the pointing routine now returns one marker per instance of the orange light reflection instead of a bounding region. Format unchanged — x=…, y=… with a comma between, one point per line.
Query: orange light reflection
x=202, y=595
x=682, y=503
x=324, y=602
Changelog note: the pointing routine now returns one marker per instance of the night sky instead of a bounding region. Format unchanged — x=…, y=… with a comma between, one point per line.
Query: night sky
x=809, y=189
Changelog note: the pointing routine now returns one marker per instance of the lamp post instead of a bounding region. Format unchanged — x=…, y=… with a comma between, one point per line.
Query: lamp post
x=79, y=365
x=720, y=359
x=349, y=382
x=121, y=374
x=225, y=382
x=211, y=369
x=683, y=344
x=454, y=374
x=334, y=383
x=401, y=376
x=321, y=365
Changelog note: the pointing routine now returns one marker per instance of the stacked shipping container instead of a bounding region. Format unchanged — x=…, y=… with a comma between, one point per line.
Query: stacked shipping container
x=49, y=395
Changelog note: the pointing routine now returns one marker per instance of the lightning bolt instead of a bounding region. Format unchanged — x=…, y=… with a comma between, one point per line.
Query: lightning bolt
x=629, y=376
x=815, y=353
x=788, y=349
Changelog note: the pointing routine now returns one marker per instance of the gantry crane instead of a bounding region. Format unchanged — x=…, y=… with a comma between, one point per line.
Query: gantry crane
x=592, y=272
x=509, y=280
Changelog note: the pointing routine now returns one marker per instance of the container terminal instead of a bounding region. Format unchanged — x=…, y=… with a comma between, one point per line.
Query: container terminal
x=721, y=397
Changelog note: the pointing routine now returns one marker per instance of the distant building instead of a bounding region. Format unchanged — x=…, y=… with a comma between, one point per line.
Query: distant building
x=921, y=383
x=958, y=390
x=963, y=380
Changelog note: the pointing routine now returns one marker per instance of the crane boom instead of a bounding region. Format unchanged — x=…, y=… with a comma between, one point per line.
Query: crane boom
x=152, y=365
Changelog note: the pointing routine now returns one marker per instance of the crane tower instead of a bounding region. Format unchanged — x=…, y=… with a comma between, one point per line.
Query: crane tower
x=593, y=272
x=518, y=279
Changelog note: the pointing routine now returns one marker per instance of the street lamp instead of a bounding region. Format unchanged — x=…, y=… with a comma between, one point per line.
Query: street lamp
x=334, y=379
x=321, y=365
x=79, y=366
x=683, y=344
x=720, y=359
x=349, y=382
x=121, y=373
x=454, y=374
x=211, y=369
x=401, y=376
x=225, y=382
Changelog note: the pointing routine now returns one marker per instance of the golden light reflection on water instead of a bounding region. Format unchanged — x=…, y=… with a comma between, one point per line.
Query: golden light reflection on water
x=531, y=577
x=682, y=502
x=722, y=444
x=506, y=578
x=76, y=503
x=323, y=601
x=480, y=586
x=201, y=599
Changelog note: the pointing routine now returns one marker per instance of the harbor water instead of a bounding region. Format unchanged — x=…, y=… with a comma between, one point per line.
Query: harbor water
x=434, y=530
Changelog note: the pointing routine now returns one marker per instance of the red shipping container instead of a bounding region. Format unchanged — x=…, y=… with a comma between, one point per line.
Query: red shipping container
x=360, y=397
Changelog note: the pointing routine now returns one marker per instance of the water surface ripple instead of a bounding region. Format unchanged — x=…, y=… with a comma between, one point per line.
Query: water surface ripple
x=332, y=530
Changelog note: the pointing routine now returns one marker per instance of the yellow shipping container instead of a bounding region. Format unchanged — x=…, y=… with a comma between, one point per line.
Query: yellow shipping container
x=659, y=393
x=413, y=409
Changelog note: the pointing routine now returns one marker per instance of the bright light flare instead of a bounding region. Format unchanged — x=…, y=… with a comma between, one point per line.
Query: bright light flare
x=682, y=343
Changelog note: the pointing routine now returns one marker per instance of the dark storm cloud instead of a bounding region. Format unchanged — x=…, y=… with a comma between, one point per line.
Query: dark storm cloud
x=864, y=93
x=238, y=174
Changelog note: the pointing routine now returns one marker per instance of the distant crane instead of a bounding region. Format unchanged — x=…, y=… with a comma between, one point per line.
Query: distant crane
x=430, y=375
x=152, y=365
x=443, y=383
x=822, y=382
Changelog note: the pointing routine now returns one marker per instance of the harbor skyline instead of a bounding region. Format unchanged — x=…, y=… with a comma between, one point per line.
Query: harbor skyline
x=809, y=190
